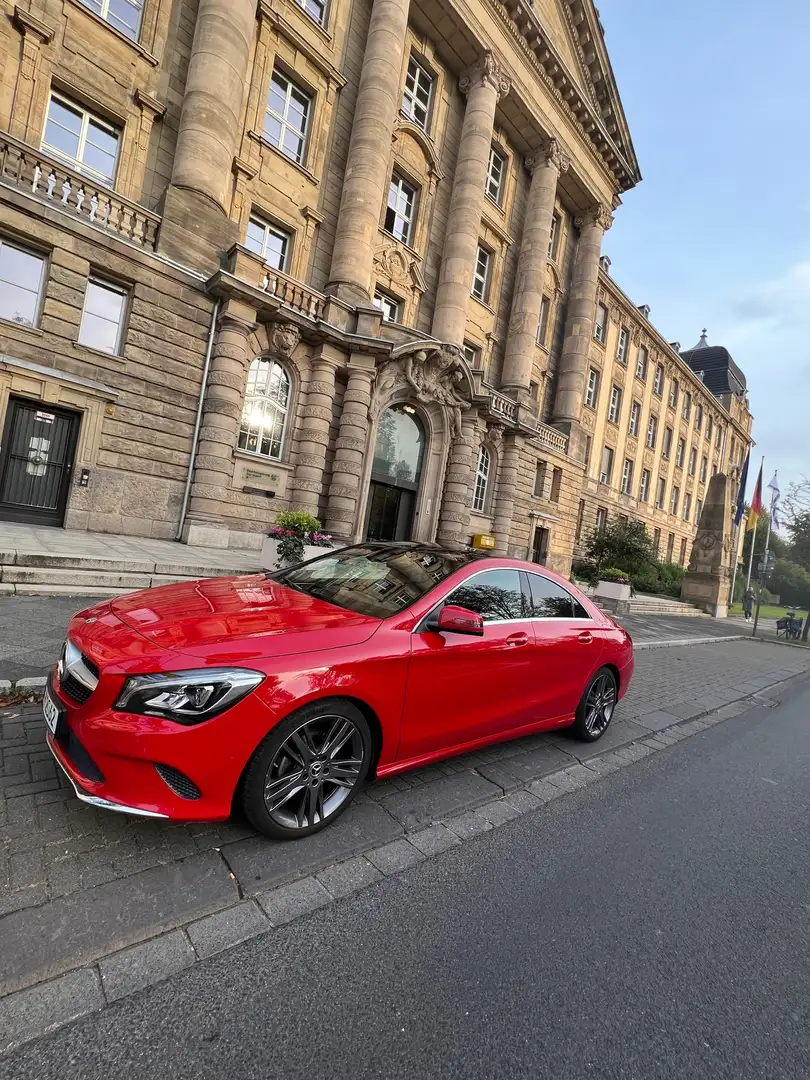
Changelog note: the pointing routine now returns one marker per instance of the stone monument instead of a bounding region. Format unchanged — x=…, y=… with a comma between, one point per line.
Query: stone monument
x=706, y=581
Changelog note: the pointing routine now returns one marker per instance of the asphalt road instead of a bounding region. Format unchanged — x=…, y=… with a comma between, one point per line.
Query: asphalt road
x=655, y=925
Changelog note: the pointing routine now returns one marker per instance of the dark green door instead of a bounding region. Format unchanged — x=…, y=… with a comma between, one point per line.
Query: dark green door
x=36, y=462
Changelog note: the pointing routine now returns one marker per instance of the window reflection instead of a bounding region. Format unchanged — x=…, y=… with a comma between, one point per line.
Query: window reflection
x=400, y=446
x=494, y=595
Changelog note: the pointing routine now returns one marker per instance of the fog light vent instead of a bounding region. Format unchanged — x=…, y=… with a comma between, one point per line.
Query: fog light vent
x=178, y=782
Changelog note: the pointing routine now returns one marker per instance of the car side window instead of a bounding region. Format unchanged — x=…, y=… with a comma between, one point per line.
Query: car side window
x=494, y=595
x=551, y=601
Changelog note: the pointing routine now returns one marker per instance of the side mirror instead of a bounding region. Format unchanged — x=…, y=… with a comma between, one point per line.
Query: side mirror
x=457, y=620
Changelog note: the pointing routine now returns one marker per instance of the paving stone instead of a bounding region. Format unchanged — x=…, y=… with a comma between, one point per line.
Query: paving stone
x=436, y=800
x=520, y=769
x=433, y=840
x=347, y=877
x=33, y=1012
x=394, y=857
x=523, y=801
x=290, y=901
x=657, y=721
x=545, y=791
x=472, y=823
x=620, y=733
x=145, y=964
x=498, y=812
x=226, y=928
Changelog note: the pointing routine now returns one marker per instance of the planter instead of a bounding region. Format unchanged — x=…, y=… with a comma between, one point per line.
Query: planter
x=269, y=558
x=612, y=590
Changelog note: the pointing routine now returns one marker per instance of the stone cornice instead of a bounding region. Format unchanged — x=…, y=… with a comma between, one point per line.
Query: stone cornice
x=27, y=23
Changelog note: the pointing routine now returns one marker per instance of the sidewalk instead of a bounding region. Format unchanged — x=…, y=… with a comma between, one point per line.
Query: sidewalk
x=79, y=884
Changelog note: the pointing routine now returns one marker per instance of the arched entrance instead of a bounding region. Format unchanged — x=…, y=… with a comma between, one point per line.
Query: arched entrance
x=395, y=474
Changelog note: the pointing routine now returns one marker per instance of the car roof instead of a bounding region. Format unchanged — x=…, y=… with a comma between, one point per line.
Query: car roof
x=468, y=554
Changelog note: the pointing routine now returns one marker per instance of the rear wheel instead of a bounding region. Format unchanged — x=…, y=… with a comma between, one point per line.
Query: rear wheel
x=597, y=706
x=305, y=773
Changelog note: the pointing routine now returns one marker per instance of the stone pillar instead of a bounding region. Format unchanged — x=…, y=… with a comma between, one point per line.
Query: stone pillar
x=314, y=439
x=581, y=312
x=545, y=166
x=350, y=450
x=484, y=84
x=195, y=227
x=365, y=181
x=222, y=414
x=504, y=504
x=454, y=517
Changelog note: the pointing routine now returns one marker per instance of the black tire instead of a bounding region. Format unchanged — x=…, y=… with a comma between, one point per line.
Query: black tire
x=309, y=786
x=597, y=706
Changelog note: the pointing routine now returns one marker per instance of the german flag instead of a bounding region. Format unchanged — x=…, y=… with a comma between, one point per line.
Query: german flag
x=755, y=513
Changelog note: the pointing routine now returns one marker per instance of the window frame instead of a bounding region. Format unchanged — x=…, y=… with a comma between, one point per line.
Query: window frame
x=606, y=475
x=623, y=346
x=104, y=13
x=601, y=520
x=87, y=115
x=627, y=477
x=680, y=452
x=666, y=442
x=686, y=506
x=114, y=287
x=280, y=74
x=269, y=227
x=483, y=472
x=644, y=486
x=573, y=617
x=634, y=421
x=472, y=354
x=448, y=598
x=652, y=432
x=543, y=321
x=659, y=380
x=496, y=155
x=540, y=473
x=692, y=466
x=43, y=278
x=674, y=500
x=402, y=186
x=641, y=368
x=686, y=407
x=704, y=468
x=386, y=298
x=286, y=410
x=615, y=406
x=592, y=388
x=661, y=494
x=420, y=67
x=486, y=279
x=554, y=236
x=556, y=484
x=600, y=327
x=674, y=392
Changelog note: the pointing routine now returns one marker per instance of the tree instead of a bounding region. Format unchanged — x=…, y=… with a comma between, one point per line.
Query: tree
x=776, y=544
x=625, y=545
x=797, y=519
x=792, y=582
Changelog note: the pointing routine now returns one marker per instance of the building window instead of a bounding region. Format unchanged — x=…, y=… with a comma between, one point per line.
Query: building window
x=627, y=476
x=103, y=316
x=718, y=437
x=601, y=519
x=606, y=468
x=615, y=405
x=699, y=418
x=556, y=485
x=641, y=364
x=592, y=393
x=472, y=354
x=600, y=326
x=124, y=15
x=580, y=521
x=539, y=479
x=666, y=446
x=704, y=469
x=542, y=324
x=418, y=95
x=714, y=470
x=658, y=384
x=22, y=275
x=623, y=346
x=698, y=511
x=388, y=305
x=481, y=480
x=264, y=417
x=681, y=451
x=554, y=237
x=673, y=394
x=661, y=494
x=687, y=506
x=480, y=285
x=644, y=486
x=85, y=141
x=635, y=418
x=286, y=121
x=656, y=542
x=652, y=432
x=315, y=9
x=709, y=428
x=683, y=550
x=674, y=499
x=399, y=214
x=670, y=547
x=692, y=461
x=686, y=412
x=496, y=175
x=269, y=242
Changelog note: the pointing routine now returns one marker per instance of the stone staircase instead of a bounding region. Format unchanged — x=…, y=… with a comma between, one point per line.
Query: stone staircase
x=643, y=604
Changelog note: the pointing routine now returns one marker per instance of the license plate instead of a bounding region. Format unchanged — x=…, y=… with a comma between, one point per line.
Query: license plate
x=51, y=712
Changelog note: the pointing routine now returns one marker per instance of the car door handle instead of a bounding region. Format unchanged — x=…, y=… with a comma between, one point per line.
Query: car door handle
x=515, y=640
x=585, y=638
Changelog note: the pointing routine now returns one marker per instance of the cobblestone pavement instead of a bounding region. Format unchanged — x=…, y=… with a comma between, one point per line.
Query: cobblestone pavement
x=52, y=845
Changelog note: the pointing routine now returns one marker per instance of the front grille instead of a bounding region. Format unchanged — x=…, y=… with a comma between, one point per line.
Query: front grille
x=75, y=752
x=91, y=667
x=73, y=689
x=178, y=782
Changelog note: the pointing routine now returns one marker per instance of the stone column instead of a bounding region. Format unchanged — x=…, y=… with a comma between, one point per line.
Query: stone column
x=314, y=439
x=365, y=181
x=195, y=225
x=545, y=166
x=222, y=414
x=581, y=311
x=350, y=450
x=484, y=84
x=454, y=517
x=504, y=503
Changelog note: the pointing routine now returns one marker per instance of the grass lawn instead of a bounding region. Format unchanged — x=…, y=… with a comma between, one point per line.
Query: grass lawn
x=768, y=611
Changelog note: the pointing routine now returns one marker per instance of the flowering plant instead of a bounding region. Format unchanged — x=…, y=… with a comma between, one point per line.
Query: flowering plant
x=293, y=530
x=617, y=576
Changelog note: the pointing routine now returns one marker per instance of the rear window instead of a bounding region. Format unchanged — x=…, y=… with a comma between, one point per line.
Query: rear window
x=552, y=601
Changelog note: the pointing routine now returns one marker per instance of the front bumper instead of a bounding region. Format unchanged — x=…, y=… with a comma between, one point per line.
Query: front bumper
x=97, y=800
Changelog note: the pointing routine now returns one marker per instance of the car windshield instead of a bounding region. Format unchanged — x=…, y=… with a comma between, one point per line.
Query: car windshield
x=379, y=581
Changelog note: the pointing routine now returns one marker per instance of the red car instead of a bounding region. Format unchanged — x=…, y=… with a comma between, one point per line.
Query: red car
x=282, y=693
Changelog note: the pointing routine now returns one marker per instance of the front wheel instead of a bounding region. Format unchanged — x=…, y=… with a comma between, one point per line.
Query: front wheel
x=597, y=706
x=305, y=773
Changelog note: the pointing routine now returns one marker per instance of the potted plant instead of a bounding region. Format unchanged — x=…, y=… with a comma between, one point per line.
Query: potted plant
x=296, y=537
x=613, y=585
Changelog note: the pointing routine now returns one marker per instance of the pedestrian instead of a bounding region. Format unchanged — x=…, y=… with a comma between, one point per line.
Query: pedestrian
x=749, y=599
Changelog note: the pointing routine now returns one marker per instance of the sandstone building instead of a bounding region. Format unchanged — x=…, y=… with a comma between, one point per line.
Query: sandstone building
x=340, y=256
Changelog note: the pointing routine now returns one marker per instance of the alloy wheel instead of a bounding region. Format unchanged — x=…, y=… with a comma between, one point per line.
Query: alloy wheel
x=314, y=772
x=600, y=704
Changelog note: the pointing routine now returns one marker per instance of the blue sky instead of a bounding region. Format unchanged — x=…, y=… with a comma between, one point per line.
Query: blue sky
x=718, y=232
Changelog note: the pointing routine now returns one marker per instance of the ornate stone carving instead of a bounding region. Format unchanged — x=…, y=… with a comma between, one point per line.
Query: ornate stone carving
x=495, y=436
x=393, y=262
x=283, y=339
x=485, y=70
x=435, y=373
x=598, y=214
x=550, y=153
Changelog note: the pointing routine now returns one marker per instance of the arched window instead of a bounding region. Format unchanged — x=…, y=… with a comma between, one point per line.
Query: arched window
x=264, y=417
x=481, y=480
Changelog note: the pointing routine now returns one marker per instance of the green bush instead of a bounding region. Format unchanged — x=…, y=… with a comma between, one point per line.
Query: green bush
x=623, y=544
x=618, y=576
x=294, y=529
x=584, y=570
x=664, y=579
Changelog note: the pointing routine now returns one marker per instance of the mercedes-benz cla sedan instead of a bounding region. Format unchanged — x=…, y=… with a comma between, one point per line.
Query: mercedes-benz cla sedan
x=282, y=693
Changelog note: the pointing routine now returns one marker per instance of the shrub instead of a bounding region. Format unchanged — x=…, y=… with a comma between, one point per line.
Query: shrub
x=662, y=578
x=617, y=576
x=294, y=529
x=623, y=544
x=584, y=570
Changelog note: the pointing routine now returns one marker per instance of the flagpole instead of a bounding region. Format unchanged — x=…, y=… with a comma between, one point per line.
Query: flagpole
x=736, y=549
x=756, y=529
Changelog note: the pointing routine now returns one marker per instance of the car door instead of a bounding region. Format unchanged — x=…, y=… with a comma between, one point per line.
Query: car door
x=566, y=647
x=462, y=688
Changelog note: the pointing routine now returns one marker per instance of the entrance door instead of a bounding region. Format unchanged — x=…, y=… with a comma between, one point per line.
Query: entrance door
x=395, y=474
x=36, y=462
x=540, y=546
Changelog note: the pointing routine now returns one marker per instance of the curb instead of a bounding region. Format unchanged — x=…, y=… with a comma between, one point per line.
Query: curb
x=37, y=683
x=28, y=1014
x=677, y=642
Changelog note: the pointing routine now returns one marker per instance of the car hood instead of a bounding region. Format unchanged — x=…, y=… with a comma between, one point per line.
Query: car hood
x=239, y=618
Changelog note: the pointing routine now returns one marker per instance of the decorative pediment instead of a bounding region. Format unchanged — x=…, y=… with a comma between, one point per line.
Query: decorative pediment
x=416, y=149
x=433, y=373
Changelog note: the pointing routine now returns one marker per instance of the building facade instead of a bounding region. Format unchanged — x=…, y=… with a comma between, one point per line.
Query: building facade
x=333, y=256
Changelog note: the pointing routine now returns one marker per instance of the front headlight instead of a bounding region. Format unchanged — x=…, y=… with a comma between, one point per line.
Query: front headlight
x=188, y=697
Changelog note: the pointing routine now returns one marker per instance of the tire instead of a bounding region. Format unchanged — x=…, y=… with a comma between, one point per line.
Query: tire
x=294, y=785
x=597, y=706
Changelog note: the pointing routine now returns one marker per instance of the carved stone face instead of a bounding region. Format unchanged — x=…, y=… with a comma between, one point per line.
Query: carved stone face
x=284, y=338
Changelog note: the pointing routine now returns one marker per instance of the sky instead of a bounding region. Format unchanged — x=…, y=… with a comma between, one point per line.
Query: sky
x=718, y=232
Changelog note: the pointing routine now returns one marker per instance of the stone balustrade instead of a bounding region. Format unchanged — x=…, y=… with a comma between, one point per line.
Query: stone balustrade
x=551, y=437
